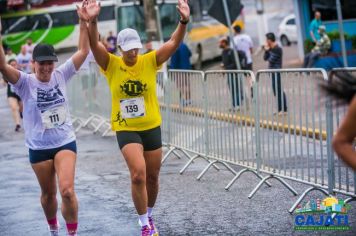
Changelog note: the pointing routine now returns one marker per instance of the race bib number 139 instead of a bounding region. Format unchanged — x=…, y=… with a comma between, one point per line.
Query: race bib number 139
x=132, y=108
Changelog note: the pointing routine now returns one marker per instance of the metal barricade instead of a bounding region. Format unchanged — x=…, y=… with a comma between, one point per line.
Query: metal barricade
x=184, y=129
x=230, y=121
x=294, y=121
x=92, y=103
x=345, y=177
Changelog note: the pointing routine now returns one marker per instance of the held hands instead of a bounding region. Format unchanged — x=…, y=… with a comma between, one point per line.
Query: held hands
x=92, y=10
x=183, y=9
x=81, y=11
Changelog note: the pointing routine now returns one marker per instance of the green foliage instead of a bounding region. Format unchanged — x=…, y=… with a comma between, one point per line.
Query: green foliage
x=353, y=39
x=334, y=35
x=308, y=45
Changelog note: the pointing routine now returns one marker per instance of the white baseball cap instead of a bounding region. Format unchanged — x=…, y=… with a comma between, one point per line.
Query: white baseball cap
x=128, y=39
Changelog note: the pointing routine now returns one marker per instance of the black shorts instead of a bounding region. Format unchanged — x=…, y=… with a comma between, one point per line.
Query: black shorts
x=150, y=139
x=12, y=94
x=37, y=156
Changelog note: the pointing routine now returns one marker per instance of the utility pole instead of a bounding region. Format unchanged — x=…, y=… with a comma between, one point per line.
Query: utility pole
x=151, y=20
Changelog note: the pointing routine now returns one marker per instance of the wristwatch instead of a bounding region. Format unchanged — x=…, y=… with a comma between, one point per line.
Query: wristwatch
x=184, y=22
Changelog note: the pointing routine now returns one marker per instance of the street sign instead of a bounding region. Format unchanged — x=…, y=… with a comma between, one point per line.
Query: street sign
x=217, y=11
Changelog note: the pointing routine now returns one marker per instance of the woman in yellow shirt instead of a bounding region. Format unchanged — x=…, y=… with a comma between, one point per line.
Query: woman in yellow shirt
x=135, y=111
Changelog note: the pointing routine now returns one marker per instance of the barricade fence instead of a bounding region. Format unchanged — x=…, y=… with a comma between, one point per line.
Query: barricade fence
x=278, y=123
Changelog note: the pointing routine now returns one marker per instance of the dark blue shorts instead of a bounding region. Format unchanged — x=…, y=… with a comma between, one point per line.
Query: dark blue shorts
x=37, y=156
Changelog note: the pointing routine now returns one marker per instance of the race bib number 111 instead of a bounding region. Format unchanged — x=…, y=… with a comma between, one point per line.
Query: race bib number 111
x=54, y=117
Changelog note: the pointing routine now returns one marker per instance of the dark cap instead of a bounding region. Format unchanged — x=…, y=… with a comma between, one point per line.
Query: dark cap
x=237, y=29
x=44, y=52
x=271, y=36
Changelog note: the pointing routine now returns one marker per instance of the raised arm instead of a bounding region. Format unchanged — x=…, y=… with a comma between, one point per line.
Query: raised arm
x=9, y=73
x=99, y=51
x=168, y=48
x=83, y=44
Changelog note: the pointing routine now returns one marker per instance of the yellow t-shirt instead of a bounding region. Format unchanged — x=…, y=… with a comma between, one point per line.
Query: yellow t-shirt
x=133, y=93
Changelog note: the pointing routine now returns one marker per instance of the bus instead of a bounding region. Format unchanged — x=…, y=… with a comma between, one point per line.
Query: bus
x=56, y=25
x=204, y=31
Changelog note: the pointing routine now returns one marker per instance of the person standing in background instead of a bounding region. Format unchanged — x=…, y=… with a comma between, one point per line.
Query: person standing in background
x=274, y=55
x=314, y=27
x=29, y=46
x=111, y=43
x=24, y=60
x=180, y=60
x=229, y=63
x=243, y=42
x=14, y=100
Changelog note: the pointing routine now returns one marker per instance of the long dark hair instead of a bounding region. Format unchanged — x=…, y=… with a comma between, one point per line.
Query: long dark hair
x=342, y=85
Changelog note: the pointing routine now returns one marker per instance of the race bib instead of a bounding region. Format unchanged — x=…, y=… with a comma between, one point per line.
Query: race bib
x=132, y=108
x=54, y=117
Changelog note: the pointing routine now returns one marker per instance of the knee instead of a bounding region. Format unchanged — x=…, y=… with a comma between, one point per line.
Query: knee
x=48, y=196
x=138, y=177
x=67, y=192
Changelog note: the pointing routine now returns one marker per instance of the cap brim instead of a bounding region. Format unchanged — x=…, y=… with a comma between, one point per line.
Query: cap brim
x=130, y=46
x=46, y=58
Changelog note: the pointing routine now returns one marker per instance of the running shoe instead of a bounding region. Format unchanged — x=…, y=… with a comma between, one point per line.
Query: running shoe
x=54, y=231
x=17, y=128
x=154, y=230
x=145, y=231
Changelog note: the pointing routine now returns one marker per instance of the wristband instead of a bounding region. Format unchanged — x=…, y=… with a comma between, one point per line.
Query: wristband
x=184, y=22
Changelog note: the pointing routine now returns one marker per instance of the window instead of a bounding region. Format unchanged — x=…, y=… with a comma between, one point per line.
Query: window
x=291, y=22
x=328, y=12
x=107, y=13
x=132, y=17
x=169, y=19
x=64, y=18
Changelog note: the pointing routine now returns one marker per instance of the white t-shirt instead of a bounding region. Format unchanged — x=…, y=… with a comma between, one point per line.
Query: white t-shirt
x=29, y=48
x=26, y=61
x=46, y=117
x=244, y=42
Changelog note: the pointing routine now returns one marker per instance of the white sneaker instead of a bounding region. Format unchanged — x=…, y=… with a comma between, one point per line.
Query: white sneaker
x=54, y=232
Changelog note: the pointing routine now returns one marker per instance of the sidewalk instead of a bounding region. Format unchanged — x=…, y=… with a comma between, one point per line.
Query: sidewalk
x=184, y=207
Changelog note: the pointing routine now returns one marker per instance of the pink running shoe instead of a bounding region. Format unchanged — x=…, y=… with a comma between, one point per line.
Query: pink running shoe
x=145, y=230
x=154, y=230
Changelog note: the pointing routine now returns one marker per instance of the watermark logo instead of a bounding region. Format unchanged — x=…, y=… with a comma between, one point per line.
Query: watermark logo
x=318, y=215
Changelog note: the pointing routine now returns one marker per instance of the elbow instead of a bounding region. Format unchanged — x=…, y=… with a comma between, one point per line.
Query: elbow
x=338, y=144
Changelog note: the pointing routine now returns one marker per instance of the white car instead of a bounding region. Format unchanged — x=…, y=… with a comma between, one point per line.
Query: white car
x=287, y=30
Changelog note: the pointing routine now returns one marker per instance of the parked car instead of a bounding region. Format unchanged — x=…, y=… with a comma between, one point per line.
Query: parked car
x=287, y=30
